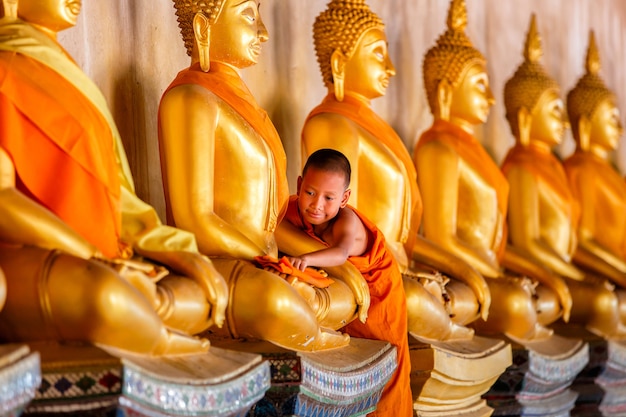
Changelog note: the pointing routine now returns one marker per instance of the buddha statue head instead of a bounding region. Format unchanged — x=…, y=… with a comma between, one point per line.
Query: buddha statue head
x=534, y=109
x=227, y=31
x=351, y=48
x=455, y=74
x=51, y=16
x=592, y=108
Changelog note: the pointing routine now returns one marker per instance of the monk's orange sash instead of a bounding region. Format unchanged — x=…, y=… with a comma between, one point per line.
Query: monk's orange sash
x=365, y=117
x=62, y=149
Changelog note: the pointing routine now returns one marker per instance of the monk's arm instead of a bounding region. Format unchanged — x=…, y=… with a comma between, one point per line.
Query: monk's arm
x=189, y=117
x=24, y=221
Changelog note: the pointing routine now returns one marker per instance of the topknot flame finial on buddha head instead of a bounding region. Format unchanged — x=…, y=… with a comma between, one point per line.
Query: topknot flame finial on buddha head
x=529, y=83
x=187, y=9
x=452, y=56
x=339, y=28
x=589, y=92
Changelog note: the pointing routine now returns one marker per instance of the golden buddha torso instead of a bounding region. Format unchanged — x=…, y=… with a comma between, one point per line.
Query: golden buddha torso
x=555, y=223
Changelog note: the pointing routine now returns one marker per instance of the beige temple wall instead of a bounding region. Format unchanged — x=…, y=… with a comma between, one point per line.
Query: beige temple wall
x=132, y=49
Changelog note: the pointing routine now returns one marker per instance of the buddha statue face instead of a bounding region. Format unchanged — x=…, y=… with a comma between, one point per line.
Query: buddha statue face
x=548, y=119
x=368, y=70
x=605, y=125
x=471, y=100
x=55, y=15
x=237, y=34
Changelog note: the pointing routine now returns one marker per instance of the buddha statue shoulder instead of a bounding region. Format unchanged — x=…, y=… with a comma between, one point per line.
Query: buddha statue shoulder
x=69, y=218
x=352, y=52
x=595, y=183
x=224, y=174
x=543, y=214
x=464, y=193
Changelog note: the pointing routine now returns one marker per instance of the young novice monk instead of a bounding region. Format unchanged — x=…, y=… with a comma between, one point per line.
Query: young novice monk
x=320, y=208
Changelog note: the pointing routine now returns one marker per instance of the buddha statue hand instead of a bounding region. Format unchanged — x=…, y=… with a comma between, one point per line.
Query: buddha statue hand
x=199, y=269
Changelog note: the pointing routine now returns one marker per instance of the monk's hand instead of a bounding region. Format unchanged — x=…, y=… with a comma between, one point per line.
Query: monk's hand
x=357, y=284
x=299, y=263
x=200, y=269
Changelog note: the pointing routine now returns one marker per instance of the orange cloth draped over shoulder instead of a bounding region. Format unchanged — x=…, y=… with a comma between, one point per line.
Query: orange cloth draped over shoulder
x=387, y=316
x=225, y=82
x=608, y=197
x=62, y=149
x=364, y=116
x=542, y=163
x=473, y=153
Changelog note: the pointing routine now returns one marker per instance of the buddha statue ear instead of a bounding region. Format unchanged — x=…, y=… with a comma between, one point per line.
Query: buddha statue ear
x=338, y=66
x=444, y=100
x=524, y=121
x=584, y=133
x=202, y=32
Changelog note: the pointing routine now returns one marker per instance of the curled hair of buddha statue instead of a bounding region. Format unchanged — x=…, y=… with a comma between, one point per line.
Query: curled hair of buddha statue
x=339, y=28
x=529, y=83
x=452, y=55
x=187, y=9
x=589, y=92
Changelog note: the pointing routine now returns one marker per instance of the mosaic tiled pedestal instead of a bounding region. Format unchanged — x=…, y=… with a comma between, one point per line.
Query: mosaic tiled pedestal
x=82, y=380
x=539, y=381
x=341, y=382
x=449, y=378
x=20, y=375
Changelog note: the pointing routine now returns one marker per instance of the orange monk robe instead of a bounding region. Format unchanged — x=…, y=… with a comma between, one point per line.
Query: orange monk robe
x=387, y=316
x=363, y=115
x=225, y=82
x=62, y=149
x=547, y=169
x=472, y=152
x=607, y=196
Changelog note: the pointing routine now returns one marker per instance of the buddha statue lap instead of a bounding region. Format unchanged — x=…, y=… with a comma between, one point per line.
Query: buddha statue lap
x=228, y=185
x=69, y=218
x=596, y=184
x=543, y=213
x=465, y=194
x=351, y=48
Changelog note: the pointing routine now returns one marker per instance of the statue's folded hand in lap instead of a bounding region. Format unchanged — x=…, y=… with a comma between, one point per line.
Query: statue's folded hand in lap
x=69, y=218
x=225, y=181
x=465, y=194
x=352, y=52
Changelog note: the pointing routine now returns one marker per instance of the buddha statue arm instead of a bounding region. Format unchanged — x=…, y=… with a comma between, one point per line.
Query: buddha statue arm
x=294, y=242
x=23, y=221
x=438, y=168
x=191, y=112
x=427, y=253
x=524, y=232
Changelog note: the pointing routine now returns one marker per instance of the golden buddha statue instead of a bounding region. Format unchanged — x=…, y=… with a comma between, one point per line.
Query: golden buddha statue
x=69, y=217
x=595, y=183
x=543, y=213
x=351, y=48
x=465, y=194
x=225, y=181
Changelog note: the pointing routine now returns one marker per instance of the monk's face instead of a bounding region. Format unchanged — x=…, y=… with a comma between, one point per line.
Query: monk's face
x=369, y=68
x=54, y=15
x=238, y=33
x=472, y=98
x=321, y=194
x=606, y=127
x=548, y=119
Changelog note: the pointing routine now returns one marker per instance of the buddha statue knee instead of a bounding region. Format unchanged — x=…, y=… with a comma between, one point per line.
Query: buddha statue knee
x=356, y=68
x=62, y=297
x=454, y=171
x=232, y=200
